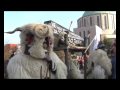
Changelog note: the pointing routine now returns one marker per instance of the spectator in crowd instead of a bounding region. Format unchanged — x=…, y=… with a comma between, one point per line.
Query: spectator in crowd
x=101, y=45
x=113, y=53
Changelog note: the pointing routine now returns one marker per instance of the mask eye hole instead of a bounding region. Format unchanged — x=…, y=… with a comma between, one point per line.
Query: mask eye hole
x=92, y=64
x=29, y=35
x=29, y=38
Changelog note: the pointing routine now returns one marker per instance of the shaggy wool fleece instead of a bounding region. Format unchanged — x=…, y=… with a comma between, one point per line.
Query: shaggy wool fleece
x=32, y=66
x=99, y=64
x=74, y=71
x=22, y=66
x=61, y=55
x=73, y=67
x=97, y=73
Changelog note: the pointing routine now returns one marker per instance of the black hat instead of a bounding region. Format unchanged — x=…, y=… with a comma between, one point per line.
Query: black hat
x=101, y=46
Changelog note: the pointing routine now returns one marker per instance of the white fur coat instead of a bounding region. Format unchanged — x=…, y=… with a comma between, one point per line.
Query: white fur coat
x=99, y=64
x=32, y=66
x=22, y=66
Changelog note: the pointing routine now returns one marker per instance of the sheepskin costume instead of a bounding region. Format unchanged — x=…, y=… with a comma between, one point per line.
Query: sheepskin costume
x=33, y=62
x=74, y=71
x=59, y=38
x=98, y=65
x=73, y=67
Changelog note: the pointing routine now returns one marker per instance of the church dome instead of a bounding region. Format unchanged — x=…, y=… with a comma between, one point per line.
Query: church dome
x=89, y=13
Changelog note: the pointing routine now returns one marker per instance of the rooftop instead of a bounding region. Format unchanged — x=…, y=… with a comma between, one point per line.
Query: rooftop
x=88, y=13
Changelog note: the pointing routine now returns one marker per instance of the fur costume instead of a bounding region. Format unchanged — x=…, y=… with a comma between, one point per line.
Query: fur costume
x=32, y=61
x=98, y=65
x=73, y=69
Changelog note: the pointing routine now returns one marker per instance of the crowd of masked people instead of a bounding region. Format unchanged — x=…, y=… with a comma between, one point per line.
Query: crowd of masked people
x=101, y=45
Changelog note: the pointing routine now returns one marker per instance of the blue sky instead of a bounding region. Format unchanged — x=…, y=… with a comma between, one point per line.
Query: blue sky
x=14, y=19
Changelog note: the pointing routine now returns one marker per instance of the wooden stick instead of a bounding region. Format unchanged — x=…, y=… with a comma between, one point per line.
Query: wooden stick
x=41, y=72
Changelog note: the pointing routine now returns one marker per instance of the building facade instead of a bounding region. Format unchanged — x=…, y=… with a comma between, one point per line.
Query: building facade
x=96, y=20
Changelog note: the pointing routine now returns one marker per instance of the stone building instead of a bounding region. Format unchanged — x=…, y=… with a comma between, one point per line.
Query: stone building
x=95, y=21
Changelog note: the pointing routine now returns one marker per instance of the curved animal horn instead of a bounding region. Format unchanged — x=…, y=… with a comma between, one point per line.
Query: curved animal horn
x=11, y=32
x=41, y=33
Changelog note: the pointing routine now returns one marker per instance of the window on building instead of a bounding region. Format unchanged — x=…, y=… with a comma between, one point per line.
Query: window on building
x=90, y=21
x=105, y=19
x=80, y=23
x=113, y=23
x=88, y=33
x=84, y=38
x=83, y=33
x=80, y=33
x=98, y=21
x=84, y=22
